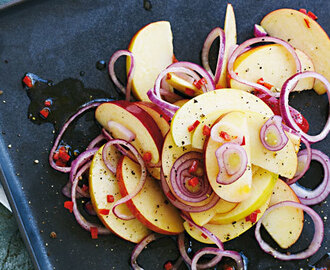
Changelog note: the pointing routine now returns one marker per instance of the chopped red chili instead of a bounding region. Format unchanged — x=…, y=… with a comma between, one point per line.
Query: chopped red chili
x=104, y=211
x=174, y=60
x=147, y=156
x=302, y=10
x=189, y=92
x=312, y=15
x=63, y=155
x=110, y=198
x=27, y=81
x=168, y=266
x=206, y=130
x=307, y=23
x=68, y=205
x=253, y=216
x=94, y=232
x=193, y=126
x=193, y=167
x=193, y=181
x=44, y=113
x=224, y=135
x=243, y=141
x=204, y=236
x=60, y=163
x=200, y=83
x=227, y=267
x=263, y=83
x=48, y=102
x=168, y=76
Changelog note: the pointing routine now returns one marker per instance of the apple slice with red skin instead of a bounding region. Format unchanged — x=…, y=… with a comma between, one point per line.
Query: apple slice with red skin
x=149, y=206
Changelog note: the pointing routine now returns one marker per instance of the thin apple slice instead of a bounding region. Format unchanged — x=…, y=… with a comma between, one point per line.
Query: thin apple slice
x=202, y=218
x=303, y=33
x=206, y=103
x=152, y=49
x=274, y=63
x=239, y=190
x=263, y=183
x=284, y=224
x=102, y=182
x=231, y=40
x=224, y=232
x=181, y=84
x=150, y=205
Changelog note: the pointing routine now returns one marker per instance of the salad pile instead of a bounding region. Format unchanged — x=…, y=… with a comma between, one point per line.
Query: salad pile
x=207, y=153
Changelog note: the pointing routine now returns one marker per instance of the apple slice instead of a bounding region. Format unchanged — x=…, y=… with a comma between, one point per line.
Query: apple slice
x=284, y=224
x=182, y=85
x=224, y=232
x=181, y=102
x=102, y=182
x=274, y=63
x=240, y=189
x=150, y=205
x=148, y=136
x=231, y=40
x=152, y=49
x=202, y=218
x=303, y=33
x=263, y=183
x=204, y=104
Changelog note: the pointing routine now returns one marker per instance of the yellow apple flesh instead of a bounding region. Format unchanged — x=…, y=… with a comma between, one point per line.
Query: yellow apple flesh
x=290, y=25
x=152, y=49
x=102, y=182
x=284, y=224
x=181, y=84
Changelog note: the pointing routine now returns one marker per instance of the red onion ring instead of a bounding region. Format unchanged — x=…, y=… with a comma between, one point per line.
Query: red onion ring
x=168, y=108
x=311, y=197
x=234, y=132
x=252, y=41
x=139, y=248
x=98, y=139
x=313, y=247
x=126, y=134
x=112, y=73
x=80, y=219
x=182, y=164
x=226, y=175
x=216, y=251
x=141, y=182
x=259, y=31
x=287, y=87
x=216, y=32
x=182, y=206
x=307, y=154
x=59, y=136
x=273, y=124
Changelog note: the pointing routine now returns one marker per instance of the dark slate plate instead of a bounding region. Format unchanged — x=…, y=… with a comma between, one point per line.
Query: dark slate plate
x=57, y=40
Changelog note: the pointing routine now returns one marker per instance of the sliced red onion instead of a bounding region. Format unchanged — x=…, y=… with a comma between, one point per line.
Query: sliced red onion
x=252, y=41
x=227, y=173
x=235, y=133
x=59, y=136
x=311, y=197
x=141, y=183
x=80, y=219
x=96, y=142
x=139, y=248
x=180, y=175
x=187, y=259
x=304, y=161
x=216, y=251
x=168, y=108
x=316, y=241
x=216, y=32
x=169, y=95
x=125, y=133
x=273, y=127
x=259, y=31
x=112, y=73
x=180, y=205
x=287, y=87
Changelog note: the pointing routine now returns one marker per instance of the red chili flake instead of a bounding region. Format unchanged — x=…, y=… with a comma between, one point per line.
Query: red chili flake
x=312, y=15
x=228, y=267
x=85, y=188
x=48, y=102
x=253, y=216
x=204, y=236
x=193, y=167
x=104, y=211
x=200, y=83
x=224, y=135
x=44, y=113
x=60, y=163
x=56, y=156
x=302, y=10
x=168, y=76
x=147, y=156
x=168, y=266
x=27, y=81
x=94, y=232
x=64, y=156
x=193, y=126
x=263, y=83
x=243, y=141
x=174, y=60
x=170, y=196
x=189, y=92
x=206, y=130
x=193, y=181
x=260, y=81
x=307, y=23
x=68, y=205
x=110, y=198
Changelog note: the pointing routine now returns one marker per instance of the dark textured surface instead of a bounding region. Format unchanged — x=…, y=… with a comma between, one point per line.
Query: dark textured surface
x=59, y=39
